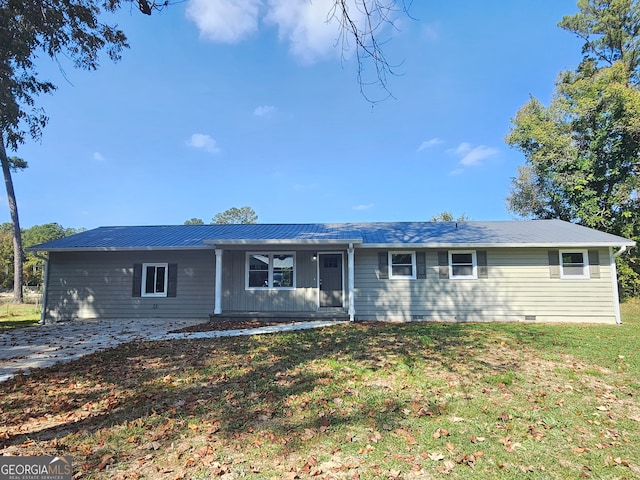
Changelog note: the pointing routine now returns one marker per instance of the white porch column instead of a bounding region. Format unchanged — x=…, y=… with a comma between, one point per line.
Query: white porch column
x=352, y=277
x=614, y=284
x=217, y=308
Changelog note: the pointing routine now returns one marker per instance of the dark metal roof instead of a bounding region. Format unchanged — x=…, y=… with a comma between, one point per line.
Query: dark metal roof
x=538, y=233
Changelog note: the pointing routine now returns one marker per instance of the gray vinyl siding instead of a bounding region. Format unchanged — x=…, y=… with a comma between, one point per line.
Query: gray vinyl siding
x=99, y=284
x=236, y=298
x=518, y=288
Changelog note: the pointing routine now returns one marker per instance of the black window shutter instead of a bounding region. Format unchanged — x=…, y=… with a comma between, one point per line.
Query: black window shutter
x=443, y=264
x=421, y=265
x=554, y=264
x=483, y=269
x=383, y=264
x=173, y=280
x=594, y=264
x=136, y=291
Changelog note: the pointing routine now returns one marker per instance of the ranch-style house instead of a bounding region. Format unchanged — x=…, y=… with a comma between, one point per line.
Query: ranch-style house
x=534, y=271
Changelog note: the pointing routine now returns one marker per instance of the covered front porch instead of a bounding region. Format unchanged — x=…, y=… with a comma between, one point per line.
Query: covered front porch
x=279, y=280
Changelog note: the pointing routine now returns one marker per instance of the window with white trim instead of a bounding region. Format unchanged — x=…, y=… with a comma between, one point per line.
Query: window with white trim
x=463, y=264
x=155, y=278
x=402, y=265
x=270, y=270
x=574, y=264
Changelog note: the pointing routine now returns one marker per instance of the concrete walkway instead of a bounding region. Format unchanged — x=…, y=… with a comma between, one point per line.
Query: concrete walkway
x=36, y=347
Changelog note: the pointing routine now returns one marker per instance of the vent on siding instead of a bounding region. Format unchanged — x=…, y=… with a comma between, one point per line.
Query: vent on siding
x=417, y=317
x=529, y=318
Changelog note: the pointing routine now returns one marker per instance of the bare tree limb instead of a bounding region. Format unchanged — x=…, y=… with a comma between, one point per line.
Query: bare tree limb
x=363, y=27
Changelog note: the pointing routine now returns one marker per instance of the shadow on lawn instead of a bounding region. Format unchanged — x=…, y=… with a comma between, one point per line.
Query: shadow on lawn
x=239, y=384
x=10, y=324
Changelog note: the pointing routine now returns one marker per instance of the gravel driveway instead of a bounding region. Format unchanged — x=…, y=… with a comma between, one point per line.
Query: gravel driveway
x=36, y=347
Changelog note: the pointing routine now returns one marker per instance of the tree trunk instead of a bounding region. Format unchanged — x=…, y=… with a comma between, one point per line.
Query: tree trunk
x=18, y=257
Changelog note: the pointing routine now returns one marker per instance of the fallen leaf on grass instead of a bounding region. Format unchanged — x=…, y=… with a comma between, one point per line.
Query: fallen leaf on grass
x=366, y=449
x=579, y=449
x=436, y=456
x=440, y=432
x=395, y=475
x=106, y=460
x=611, y=461
x=534, y=433
x=446, y=467
x=219, y=469
x=470, y=459
x=509, y=446
x=410, y=439
x=150, y=446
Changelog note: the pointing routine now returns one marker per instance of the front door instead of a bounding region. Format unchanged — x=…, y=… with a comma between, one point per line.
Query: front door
x=330, y=269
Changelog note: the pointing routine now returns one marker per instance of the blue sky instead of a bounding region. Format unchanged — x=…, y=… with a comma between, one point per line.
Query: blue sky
x=248, y=102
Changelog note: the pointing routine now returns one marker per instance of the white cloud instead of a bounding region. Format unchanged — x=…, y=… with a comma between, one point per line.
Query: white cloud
x=429, y=143
x=305, y=25
x=225, y=21
x=473, y=156
x=97, y=156
x=457, y=171
x=264, y=110
x=367, y=206
x=205, y=142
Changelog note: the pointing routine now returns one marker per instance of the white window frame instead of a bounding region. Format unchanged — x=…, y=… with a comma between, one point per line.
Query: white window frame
x=269, y=286
x=413, y=265
x=474, y=263
x=143, y=286
x=585, y=264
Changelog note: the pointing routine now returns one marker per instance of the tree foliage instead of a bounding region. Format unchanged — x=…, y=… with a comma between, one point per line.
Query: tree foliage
x=33, y=265
x=236, y=215
x=609, y=29
x=447, y=216
x=69, y=28
x=194, y=221
x=583, y=150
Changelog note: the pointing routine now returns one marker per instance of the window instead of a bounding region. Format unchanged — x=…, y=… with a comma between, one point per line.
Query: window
x=463, y=264
x=574, y=264
x=402, y=265
x=270, y=270
x=155, y=278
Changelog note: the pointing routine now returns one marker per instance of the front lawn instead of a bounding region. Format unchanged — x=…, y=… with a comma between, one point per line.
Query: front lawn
x=418, y=400
x=14, y=315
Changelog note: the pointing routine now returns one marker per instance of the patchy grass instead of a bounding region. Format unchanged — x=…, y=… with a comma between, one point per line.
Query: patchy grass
x=354, y=401
x=18, y=315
